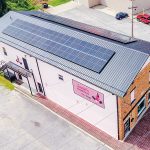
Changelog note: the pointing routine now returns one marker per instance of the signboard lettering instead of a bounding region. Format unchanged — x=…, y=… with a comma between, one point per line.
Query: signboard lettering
x=88, y=93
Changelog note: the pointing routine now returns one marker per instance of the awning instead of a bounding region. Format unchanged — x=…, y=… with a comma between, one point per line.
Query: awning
x=24, y=72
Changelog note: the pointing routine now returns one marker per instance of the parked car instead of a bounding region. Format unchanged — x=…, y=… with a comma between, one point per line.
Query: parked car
x=145, y=18
x=121, y=15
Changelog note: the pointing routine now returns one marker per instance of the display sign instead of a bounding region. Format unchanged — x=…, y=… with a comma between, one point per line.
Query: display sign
x=88, y=93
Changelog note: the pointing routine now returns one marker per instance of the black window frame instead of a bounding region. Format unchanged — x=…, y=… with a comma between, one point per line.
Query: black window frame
x=40, y=88
x=25, y=62
x=20, y=76
x=60, y=77
x=4, y=51
x=127, y=130
x=149, y=96
x=144, y=106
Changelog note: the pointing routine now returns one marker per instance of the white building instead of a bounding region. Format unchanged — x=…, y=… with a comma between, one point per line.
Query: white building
x=71, y=64
x=118, y=5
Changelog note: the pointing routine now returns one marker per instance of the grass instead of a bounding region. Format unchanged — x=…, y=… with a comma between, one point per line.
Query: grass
x=57, y=2
x=6, y=83
x=16, y=7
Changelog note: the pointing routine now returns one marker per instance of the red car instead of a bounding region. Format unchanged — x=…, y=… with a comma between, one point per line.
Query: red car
x=145, y=18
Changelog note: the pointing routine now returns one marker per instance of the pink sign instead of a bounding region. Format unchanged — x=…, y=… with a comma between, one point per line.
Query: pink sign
x=88, y=93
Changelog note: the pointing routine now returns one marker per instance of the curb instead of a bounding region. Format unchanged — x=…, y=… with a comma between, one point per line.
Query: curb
x=79, y=123
x=34, y=100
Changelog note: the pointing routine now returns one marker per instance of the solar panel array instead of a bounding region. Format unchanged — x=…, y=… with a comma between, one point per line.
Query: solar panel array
x=72, y=49
x=85, y=27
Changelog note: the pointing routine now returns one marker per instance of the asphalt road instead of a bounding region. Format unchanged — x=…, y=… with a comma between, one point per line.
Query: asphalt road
x=26, y=125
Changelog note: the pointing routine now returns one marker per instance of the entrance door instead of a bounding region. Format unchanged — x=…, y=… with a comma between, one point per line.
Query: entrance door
x=25, y=63
x=127, y=127
x=40, y=87
x=20, y=76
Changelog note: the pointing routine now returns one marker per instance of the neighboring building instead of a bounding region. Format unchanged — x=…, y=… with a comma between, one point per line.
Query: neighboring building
x=101, y=76
x=118, y=5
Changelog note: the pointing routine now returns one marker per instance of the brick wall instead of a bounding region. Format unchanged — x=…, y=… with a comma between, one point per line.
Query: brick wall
x=141, y=86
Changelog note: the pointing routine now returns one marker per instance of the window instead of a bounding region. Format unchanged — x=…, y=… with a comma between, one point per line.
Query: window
x=60, y=77
x=4, y=51
x=40, y=89
x=127, y=127
x=133, y=96
x=141, y=106
x=20, y=76
x=25, y=63
x=149, y=97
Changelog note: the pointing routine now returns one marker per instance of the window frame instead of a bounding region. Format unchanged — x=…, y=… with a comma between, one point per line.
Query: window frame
x=149, y=77
x=4, y=51
x=149, y=97
x=60, y=77
x=143, y=99
x=132, y=100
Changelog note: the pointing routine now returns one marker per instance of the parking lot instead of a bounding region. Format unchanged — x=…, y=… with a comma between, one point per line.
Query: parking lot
x=103, y=20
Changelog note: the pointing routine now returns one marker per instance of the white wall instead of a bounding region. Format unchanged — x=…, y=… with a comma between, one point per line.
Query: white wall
x=122, y=5
x=12, y=54
x=119, y=5
x=62, y=93
x=89, y=3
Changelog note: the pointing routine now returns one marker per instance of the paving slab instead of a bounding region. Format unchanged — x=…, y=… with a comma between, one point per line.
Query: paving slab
x=26, y=125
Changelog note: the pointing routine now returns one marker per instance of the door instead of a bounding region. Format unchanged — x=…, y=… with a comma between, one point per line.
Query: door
x=127, y=127
x=20, y=76
x=40, y=87
x=25, y=63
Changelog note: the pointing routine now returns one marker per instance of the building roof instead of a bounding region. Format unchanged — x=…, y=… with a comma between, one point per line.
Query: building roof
x=104, y=34
x=116, y=76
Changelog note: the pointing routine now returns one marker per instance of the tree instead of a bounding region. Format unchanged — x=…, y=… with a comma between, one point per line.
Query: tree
x=18, y=5
x=3, y=7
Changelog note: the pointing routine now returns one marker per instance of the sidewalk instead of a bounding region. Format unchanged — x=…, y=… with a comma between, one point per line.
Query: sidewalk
x=82, y=124
x=26, y=125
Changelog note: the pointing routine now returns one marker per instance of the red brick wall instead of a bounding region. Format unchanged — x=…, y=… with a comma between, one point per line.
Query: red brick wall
x=141, y=84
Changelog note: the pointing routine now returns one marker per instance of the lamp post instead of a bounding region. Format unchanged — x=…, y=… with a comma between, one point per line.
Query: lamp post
x=132, y=8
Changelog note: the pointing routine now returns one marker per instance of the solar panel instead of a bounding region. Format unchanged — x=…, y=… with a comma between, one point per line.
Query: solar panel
x=85, y=27
x=80, y=52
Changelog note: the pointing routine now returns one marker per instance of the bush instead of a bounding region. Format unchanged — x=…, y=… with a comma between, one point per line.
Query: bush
x=3, y=7
x=18, y=5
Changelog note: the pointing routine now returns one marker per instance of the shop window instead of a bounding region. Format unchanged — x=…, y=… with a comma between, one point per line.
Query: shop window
x=132, y=96
x=4, y=51
x=141, y=106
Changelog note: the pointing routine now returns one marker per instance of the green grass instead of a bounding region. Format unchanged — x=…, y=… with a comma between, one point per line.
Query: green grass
x=16, y=7
x=57, y=2
x=6, y=83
